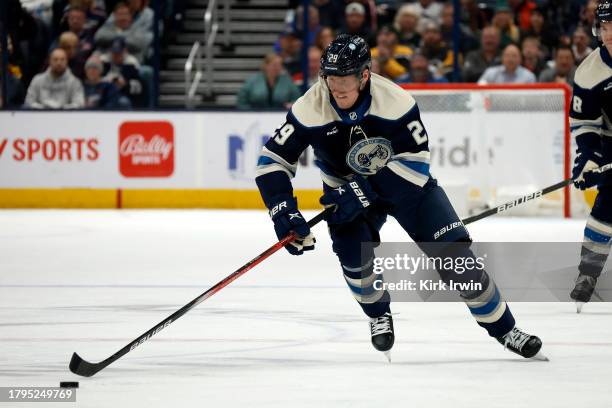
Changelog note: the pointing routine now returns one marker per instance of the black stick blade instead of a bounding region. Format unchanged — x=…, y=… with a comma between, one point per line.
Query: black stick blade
x=82, y=367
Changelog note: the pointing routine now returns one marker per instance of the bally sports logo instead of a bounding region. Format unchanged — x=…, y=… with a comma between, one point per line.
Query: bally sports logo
x=146, y=149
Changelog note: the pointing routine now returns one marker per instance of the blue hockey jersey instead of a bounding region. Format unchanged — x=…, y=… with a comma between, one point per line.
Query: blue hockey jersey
x=591, y=108
x=381, y=137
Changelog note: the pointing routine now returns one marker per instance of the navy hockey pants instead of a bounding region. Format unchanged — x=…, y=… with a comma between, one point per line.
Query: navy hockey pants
x=424, y=214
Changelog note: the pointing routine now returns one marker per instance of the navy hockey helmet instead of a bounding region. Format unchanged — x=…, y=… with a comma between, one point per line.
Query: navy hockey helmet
x=603, y=14
x=346, y=55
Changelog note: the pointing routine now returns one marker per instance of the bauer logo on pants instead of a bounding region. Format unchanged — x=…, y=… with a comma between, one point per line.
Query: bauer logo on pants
x=146, y=149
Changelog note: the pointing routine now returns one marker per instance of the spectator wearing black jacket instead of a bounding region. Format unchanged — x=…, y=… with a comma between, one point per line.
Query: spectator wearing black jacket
x=122, y=69
x=101, y=94
x=477, y=61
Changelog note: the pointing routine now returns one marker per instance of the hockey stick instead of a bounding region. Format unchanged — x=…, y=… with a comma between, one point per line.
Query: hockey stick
x=529, y=197
x=86, y=369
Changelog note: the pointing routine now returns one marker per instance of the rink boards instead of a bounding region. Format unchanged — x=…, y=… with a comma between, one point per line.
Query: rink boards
x=208, y=159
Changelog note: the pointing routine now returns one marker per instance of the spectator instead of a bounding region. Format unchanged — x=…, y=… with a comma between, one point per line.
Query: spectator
x=30, y=38
x=548, y=37
x=56, y=88
x=376, y=68
x=138, y=36
x=477, y=61
x=580, y=44
x=98, y=93
x=475, y=15
x=587, y=19
x=467, y=42
x=314, y=63
x=313, y=23
x=386, y=11
x=522, y=10
x=270, y=88
x=438, y=54
x=123, y=70
x=324, y=38
x=406, y=23
x=393, y=58
x=95, y=14
x=562, y=15
x=420, y=73
x=510, y=72
x=564, y=69
x=510, y=34
x=15, y=92
x=143, y=17
x=429, y=11
x=355, y=22
x=77, y=18
x=290, y=52
x=69, y=42
x=533, y=58
x=327, y=12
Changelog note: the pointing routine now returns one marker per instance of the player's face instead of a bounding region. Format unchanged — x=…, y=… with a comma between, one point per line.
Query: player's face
x=345, y=89
x=606, y=34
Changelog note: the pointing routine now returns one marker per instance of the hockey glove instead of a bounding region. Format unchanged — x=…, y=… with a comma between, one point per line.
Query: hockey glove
x=349, y=200
x=585, y=161
x=287, y=218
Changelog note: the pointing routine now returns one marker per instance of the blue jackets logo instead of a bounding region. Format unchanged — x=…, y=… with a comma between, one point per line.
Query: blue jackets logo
x=368, y=156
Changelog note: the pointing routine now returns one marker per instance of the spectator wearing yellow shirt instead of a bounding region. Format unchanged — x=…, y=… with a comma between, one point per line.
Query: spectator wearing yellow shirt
x=394, y=59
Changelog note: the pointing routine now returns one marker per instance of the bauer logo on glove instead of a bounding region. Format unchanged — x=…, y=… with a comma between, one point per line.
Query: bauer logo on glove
x=349, y=200
x=287, y=218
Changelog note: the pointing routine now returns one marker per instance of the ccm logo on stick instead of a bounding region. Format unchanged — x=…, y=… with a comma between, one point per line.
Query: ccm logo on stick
x=146, y=149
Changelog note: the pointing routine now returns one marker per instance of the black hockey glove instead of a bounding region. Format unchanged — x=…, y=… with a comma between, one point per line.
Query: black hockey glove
x=349, y=200
x=287, y=218
x=585, y=161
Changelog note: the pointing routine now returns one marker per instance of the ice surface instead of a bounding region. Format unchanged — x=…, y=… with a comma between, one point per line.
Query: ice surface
x=286, y=334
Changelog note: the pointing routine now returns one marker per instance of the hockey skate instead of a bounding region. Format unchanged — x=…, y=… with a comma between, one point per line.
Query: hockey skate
x=523, y=344
x=584, y=289
x=381, y=329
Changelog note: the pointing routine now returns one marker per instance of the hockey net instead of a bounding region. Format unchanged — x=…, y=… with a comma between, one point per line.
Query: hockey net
x=491, y=144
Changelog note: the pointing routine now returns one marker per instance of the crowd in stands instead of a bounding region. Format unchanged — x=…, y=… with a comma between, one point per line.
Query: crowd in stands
x=75, y=54
x=499, y=41
x=69, y=54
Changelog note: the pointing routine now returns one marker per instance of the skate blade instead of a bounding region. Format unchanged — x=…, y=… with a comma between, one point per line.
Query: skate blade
x=388, y=355
x=540, y=357
x=579, y=306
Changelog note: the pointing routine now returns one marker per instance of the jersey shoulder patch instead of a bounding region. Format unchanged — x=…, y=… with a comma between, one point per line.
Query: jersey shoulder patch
x=313, y=108
x=389, y=100
x=592, y=71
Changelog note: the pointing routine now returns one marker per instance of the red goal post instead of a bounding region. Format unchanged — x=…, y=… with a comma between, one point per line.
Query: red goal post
x=543, y=106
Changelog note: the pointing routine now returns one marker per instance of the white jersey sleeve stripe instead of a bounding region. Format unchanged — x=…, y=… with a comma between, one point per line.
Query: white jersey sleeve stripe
x=407, y=173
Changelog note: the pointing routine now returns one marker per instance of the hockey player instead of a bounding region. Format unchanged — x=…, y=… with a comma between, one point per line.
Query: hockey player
x=372, y=150
x=590, y=121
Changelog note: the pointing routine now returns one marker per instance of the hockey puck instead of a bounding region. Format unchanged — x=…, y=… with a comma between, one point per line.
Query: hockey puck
x=69, y=384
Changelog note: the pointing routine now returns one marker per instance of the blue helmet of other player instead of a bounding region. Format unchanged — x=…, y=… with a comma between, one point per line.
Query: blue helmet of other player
x=346, y=55
x=603, y=14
